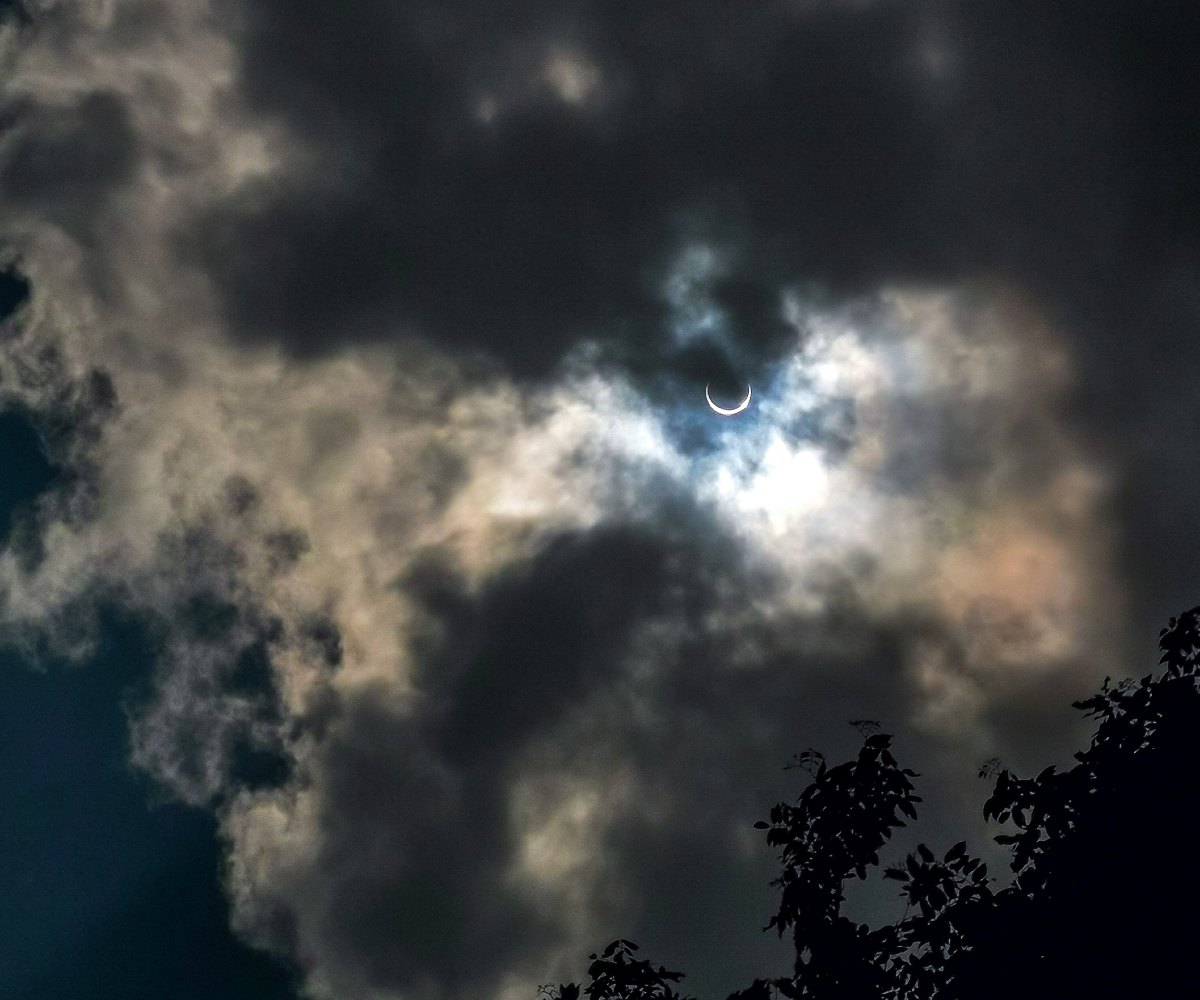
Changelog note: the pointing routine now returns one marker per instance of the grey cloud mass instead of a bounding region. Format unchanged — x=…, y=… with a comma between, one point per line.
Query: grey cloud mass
x=368, y=341
x=838, y=142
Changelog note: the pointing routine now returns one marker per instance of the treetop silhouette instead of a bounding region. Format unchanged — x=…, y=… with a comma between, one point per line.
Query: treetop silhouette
x=1105, y=899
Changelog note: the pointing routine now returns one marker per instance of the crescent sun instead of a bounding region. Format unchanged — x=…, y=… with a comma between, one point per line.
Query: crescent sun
x=729, y=412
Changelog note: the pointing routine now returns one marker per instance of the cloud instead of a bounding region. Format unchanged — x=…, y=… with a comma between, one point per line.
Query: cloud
x=417, y=630
x=70, y=160
x=375, y=368
x=846, y=144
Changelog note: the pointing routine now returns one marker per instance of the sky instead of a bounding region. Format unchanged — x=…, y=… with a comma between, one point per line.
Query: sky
x=386, y=616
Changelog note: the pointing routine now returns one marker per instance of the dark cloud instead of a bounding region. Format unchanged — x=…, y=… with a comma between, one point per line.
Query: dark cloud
x=837, y=143
x=285, y=548
x=832, y=146
x=540, y=638
x=414, y=890
x=414, y=864
x=322, y=637
x=713, y=767
x=535, y=674
x=13, y=10
x=67, y=161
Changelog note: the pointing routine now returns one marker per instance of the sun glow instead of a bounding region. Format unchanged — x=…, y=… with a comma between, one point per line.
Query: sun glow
x=780, y=484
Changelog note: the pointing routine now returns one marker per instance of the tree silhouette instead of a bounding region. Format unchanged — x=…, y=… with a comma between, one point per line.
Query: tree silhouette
x=1105, y=891
x=616, y=975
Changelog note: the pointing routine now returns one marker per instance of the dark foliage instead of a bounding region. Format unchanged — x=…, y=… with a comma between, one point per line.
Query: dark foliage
x=1102, y=900
x=616, y=975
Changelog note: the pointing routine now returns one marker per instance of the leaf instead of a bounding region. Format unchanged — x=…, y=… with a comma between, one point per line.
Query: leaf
x=926, y=853
x=762, y=825
x=957, y=851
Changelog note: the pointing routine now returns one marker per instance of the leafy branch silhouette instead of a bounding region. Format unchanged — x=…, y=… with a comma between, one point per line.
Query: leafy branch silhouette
x=1099, y=854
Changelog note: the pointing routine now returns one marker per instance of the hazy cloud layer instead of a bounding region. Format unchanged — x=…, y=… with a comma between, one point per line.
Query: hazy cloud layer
x=371, y=343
